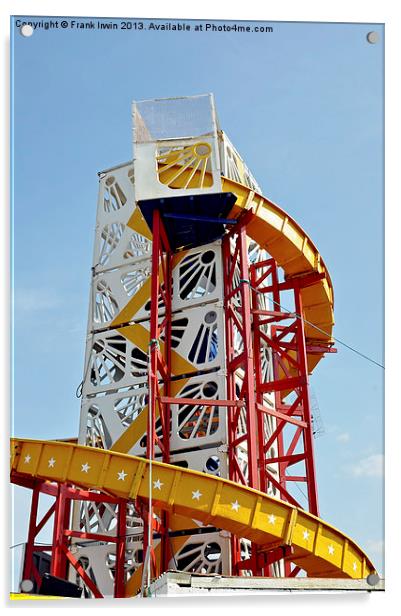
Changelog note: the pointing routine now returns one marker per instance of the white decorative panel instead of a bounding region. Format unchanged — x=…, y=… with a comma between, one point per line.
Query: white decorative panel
x=204, y=553
x=116, y=200
x=194, y=425
x=99, y=562
x=196, y=280
x=233, y=166
x=114, y=361
x=117, y=244
x=186, y=168
x=212, y=460
x=198, y=277
x=105, y=418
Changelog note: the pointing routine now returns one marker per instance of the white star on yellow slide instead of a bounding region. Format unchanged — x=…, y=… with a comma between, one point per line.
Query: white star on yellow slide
x=235, y=506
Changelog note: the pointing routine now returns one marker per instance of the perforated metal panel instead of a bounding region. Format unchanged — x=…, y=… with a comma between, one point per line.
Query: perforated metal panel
x=233, y=165
x=123, y=292
x=206, y=553
x=105, y=418
x=113, y=360
x=121, y=236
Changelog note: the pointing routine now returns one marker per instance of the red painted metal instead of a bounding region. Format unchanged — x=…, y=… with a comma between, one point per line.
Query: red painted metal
x=61, y=522
x=159, y=365
x=32, y=534
x=81, y=571
x=119, y=574
x=242, y=421
x=61, y=555
x=257, y=330
x=284, y=334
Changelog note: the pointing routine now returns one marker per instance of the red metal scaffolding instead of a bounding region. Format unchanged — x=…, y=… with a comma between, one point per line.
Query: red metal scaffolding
x=252, y=330
x=61, y=549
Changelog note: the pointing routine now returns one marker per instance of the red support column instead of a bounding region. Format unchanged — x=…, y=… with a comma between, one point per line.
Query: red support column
x=307, y=415
x=61, y=555
x=32, y=532
x=60, y=541
x=238, y=324
x=159, y=364
x=119, y=576
x=248, y=364
x=240, y=368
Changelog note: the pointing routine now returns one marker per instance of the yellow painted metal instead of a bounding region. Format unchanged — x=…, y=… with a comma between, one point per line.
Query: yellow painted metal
x=293, y=250
x=140, y=336
x=318, y=548
x=15, y=596
x=139, y=299
x=138, y=427
x=185, y=166
x=137, y=223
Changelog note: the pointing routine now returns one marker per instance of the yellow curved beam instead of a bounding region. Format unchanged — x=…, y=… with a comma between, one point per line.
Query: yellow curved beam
x=273, y=229
x=294, y=251
x=318, y=548
x=15, y=596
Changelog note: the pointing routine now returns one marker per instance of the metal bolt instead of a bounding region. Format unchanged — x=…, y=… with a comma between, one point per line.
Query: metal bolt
x=373, y=579
x=26, y=30
x=373, y=37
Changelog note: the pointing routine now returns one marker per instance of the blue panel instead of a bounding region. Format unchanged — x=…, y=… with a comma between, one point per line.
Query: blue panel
x=195, y=220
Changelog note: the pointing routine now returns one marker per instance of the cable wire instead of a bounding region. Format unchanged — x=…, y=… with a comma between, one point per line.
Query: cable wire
x=298, y=316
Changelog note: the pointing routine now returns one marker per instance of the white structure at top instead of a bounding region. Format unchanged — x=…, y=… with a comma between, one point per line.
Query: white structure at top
x=184, y=132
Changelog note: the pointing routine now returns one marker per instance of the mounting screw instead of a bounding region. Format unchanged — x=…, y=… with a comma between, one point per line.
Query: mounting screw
x=26, y=586
x=373, y=579
x=372, y=37
x=26, y=30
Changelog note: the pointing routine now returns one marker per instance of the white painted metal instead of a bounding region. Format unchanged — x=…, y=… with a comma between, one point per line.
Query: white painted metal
x=179, y=583
x=105, y=418
x=115, y=242
x=197, y=279
x=112, y=361
x=99, y=561
x=233, y=166
x=159, y=136
x=212, y=460
x=206, y=553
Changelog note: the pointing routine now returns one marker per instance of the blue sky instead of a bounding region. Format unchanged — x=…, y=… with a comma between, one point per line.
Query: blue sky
x=304, y=106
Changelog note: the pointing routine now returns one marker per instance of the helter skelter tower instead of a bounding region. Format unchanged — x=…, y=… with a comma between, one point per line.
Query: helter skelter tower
x=195, y=346
x=195, y=374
